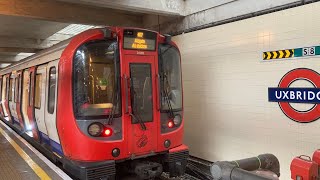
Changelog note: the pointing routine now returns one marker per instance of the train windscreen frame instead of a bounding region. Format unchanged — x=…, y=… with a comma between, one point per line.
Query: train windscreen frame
x=139, y=40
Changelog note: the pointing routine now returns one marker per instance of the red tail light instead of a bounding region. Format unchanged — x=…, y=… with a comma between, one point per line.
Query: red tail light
x=170, y=124
x=108, y=132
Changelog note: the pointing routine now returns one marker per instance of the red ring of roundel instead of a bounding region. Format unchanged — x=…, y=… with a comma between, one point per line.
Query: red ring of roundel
x=295, y=74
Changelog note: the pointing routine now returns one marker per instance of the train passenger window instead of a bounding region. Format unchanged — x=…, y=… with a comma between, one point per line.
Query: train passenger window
x=30, y=86
x=96, y=87
x=52, y=90
x=7, y=87
x=170, y=74
x=37, y=94
x=16, y=89
x=1, y=82
x=10, y=88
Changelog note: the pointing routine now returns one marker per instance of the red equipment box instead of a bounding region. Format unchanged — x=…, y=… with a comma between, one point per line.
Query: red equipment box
x=303, y=168
x=316, y=157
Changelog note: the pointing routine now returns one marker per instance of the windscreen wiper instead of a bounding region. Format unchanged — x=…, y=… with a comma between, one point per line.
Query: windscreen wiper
x=115, y=95
x=166, y=96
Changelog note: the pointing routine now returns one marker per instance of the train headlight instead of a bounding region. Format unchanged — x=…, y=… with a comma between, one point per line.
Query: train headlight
x=177, y=120
x=95, y=129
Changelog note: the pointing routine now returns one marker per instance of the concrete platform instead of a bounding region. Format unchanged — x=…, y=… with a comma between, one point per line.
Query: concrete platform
x=19, y=160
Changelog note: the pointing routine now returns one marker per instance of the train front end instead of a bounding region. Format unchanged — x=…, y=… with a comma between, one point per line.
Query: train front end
x=120, y=105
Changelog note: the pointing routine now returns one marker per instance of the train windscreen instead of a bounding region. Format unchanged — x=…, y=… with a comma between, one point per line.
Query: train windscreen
x=170, y=73
x=96, y=89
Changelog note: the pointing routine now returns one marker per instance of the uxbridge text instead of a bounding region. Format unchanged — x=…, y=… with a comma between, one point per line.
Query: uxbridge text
x=294, y=95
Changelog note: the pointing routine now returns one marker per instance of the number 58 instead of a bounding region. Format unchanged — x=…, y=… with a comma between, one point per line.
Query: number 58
x=309, y=51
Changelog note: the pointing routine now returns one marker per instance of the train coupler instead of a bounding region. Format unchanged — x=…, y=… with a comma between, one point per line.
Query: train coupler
x=147, y=169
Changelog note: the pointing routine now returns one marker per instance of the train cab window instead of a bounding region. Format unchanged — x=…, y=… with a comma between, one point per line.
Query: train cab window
x=52, y=90
x=11, y=82
x=170, y=74
x=96, y=91
x=37, y=93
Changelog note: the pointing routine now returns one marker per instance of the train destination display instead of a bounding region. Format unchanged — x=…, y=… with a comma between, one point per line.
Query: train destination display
x=140, y=40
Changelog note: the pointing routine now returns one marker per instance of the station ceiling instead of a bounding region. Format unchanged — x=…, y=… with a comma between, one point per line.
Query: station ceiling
x=27, y=27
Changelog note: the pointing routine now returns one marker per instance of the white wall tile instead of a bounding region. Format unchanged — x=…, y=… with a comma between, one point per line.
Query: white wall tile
x=227, y=112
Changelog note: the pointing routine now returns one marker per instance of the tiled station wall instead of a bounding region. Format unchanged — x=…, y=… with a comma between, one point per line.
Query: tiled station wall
x=227, y=113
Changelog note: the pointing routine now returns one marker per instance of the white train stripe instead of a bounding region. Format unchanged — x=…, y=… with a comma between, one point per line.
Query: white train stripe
x=62, y=174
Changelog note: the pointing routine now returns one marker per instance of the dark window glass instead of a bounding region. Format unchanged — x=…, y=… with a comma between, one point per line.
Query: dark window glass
x=30, y=87
x=16, y=94
x=38, y=87
x=11, y=88
x=141, y=92
x=96, y=91
x=19, y=88
x=52, y=90
x=170, y=73
x=7, y=87
x=1, y=81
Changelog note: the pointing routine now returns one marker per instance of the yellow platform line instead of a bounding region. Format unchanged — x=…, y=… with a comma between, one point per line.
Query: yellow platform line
x=34, y=166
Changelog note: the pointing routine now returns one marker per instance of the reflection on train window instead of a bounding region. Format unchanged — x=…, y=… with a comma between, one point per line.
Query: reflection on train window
x=52, y=90
x=10, y=89
x=96, y=91
x=170, y=73
x=141, y=92
x=37, y=96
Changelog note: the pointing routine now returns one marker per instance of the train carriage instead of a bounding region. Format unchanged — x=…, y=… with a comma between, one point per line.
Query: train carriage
x=107, y=101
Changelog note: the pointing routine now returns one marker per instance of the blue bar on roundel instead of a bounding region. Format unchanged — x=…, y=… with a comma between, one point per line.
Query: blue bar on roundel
x=294, y=95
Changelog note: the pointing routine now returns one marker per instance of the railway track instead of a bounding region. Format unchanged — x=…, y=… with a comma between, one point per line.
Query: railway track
x=185, y=177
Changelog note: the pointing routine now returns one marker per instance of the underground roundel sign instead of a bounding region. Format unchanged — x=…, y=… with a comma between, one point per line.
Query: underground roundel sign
x=286, y=95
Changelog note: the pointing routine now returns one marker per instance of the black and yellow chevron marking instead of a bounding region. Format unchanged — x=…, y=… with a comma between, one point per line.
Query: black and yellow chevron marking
x=288, y=53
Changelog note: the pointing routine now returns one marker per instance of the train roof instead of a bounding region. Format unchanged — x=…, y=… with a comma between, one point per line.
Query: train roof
x=50, y=54
x=44, y=56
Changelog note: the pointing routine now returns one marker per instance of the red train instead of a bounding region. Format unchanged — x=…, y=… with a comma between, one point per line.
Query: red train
x=107, y=101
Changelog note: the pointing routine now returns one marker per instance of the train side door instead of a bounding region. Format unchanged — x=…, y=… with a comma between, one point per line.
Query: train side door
x=50, y=105
x=18, y=89
x=39, y=102
x=31, y=102
x=25, y=100
x=3, y=95
x=11, y=98
x=6, y=99
x=142, y=126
